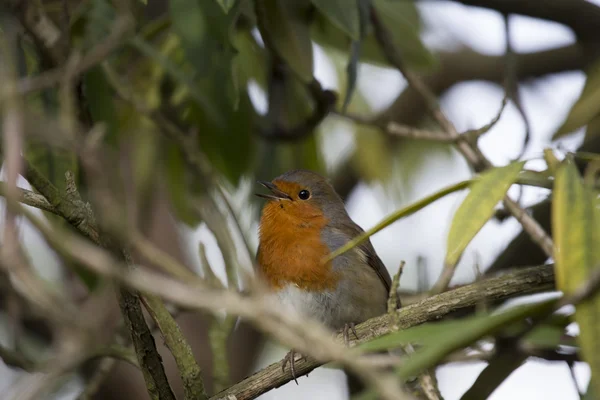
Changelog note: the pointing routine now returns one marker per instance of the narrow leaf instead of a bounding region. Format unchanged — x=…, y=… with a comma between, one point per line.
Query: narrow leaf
x=576, y=228
x=478, y=207
x=404, y=212
x=343, y=14
x=586, y=108
x=284, y=27
x=422, y=335
x=364, y=7
x=401, y=20
x=204, y=31
x=226, y=5
x=473, y=330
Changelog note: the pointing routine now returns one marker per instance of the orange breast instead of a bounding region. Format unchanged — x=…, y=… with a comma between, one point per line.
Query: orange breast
x=291, y=249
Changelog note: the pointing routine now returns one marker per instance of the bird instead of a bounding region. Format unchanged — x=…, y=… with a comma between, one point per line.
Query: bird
x=303, y=221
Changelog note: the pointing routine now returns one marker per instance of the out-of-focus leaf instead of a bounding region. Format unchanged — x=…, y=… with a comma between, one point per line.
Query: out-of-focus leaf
x=226, y=5
x=403, y=20
x=144, y=152
x=205, y=30
x=586, y=108
x=421, y=335
x=230, y=148
x=576, y=229
x=372, y=155
x=177, y=178
x=284, y=26
x=101, y=102
x=593, y=128
x=499, y=368
x=399, y=19
x=364, y=7
x=180, y=76
x=298, y=102
x=478, y=207
x=250, y=62
x=546, y=336
x=342, y=13
x=472, y=330
x=99, y=18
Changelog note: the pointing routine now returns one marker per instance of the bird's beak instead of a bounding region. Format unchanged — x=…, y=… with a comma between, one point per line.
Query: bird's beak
x=277, y=194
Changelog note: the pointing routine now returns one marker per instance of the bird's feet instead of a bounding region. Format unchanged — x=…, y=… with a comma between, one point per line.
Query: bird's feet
x=290, y=358
x=347, y=328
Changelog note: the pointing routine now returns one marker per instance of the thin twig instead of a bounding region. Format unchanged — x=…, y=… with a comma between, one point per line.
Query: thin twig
x=393, y=300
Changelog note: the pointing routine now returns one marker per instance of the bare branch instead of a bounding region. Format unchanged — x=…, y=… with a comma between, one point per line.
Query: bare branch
x=189, y=370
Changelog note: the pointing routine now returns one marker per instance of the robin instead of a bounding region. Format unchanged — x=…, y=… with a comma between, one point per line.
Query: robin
x=302, y=222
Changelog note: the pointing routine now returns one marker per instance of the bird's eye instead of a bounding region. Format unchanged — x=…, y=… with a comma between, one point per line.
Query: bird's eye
x=304, y=195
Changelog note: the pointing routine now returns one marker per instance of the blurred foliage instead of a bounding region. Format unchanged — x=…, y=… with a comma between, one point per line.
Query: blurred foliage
x=196, y=65
x=576, y=223
x=225, y=91
x=586, y=109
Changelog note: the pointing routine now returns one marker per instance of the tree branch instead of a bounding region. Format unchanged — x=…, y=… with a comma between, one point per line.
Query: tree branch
x=583, y=17
x=526, y=281
x=409, y=108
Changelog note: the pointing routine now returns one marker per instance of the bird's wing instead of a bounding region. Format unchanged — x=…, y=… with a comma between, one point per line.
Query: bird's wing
x=372, y=258
x=375, y=262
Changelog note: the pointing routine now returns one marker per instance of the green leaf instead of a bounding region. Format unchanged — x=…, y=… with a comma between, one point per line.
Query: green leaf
x=364, y=7
x=546, y=336
x=403, y=20
x=421, y=335
x=400, y=20
x=576, y=231
x=402, y=213
x=99, y=20
x=251, y=61
x=472, y=330
x=372, y=156
x=205, y=33
x=284, y=27
x=230, y=148
x=226, y=5
x=586, y=108
x=101, y=102
x=343, y=14
x=178, y=180
x=478, y=207
x=180, y=76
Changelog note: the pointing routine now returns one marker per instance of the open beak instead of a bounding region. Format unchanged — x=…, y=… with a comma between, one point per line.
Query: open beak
x=277, y=194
